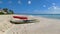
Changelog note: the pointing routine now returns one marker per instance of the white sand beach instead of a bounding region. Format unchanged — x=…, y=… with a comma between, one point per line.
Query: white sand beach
x=45, y=26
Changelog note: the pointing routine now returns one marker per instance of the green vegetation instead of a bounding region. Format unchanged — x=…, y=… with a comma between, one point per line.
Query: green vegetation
x=1, y=13
x=11, y=12
x=6, y=11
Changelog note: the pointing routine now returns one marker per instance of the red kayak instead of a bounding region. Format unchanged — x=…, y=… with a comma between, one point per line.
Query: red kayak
x=21, y=17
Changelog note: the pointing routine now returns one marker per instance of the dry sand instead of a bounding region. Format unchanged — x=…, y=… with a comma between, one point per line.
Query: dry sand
x=45, y=26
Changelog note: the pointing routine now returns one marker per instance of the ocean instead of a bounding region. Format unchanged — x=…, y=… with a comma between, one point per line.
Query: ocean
x=53, y=16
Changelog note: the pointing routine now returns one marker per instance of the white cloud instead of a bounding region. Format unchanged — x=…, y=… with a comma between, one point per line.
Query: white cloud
x=53, y=7
x=54, y=10
x=53, y=3
x=19, y=2
x=29, y=2
x=1, y=2
x=44, y=5
x=50, y=10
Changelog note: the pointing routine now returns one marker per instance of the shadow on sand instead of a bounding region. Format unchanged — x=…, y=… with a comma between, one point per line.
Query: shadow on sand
x=24, y=22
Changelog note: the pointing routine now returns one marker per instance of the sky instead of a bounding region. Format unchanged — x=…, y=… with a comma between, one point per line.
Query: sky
x=32, y=6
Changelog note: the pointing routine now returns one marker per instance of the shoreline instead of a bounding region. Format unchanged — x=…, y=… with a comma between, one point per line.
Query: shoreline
x=45, y=26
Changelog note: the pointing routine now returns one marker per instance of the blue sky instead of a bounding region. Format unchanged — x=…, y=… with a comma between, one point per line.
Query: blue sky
x=32, y=6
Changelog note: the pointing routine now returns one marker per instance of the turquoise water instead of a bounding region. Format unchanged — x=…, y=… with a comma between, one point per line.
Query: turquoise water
x=53, y=16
